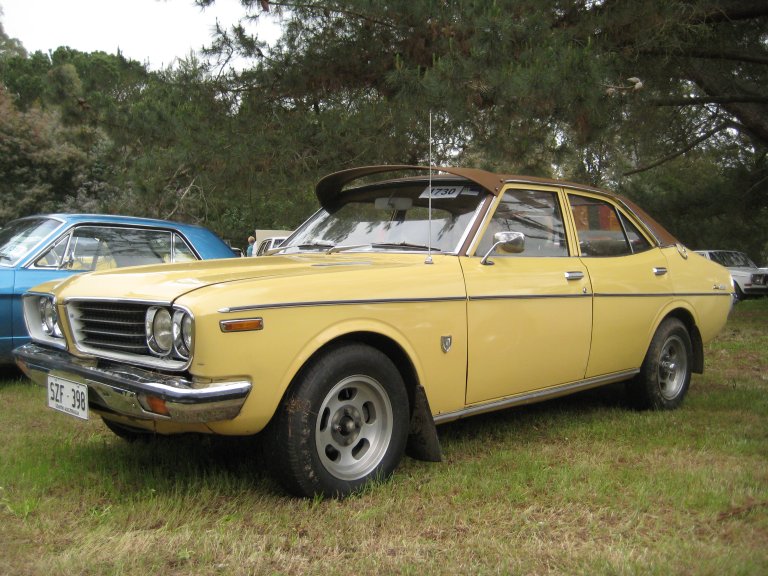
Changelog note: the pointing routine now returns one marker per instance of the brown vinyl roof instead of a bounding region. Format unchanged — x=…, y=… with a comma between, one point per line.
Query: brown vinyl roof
x=331, y=186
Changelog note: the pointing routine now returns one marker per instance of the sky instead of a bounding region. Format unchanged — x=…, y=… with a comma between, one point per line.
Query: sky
x=153, y=32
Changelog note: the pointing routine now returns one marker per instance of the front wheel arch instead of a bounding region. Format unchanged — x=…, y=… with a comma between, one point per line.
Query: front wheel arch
x=343, y=421
x=389, y=347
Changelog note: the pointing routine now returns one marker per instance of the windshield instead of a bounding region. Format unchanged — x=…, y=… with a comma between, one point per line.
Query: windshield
x=17, y=238
x=392, y=218
x=732, y=259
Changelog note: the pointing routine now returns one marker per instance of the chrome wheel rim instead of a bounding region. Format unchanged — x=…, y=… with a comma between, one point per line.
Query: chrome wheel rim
x=673, y=368
x=354, y=427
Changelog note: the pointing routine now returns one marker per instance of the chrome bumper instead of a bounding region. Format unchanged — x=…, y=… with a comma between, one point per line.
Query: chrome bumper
x=132, y=391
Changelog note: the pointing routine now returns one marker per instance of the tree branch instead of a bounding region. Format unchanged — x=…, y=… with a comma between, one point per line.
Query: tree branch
x=688, y=101
x=325, y=9
x=674, y=155
x=750, y=57
x=733, y=10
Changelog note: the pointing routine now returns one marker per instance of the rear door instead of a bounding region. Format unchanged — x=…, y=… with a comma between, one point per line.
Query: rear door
x=630, y=281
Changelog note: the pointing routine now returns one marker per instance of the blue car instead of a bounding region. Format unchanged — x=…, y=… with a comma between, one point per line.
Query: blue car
x=45, y=247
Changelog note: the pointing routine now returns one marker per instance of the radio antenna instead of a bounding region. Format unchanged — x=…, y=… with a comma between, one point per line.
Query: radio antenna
x=429, y=197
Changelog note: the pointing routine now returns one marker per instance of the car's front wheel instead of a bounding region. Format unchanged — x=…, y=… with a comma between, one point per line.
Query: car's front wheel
x=666, y=371
x=739, y=293
x=343, y=423
x=127, y=433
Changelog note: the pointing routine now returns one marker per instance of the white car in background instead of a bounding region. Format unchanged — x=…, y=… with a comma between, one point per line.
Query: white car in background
x=268, y=244
x=748, y=279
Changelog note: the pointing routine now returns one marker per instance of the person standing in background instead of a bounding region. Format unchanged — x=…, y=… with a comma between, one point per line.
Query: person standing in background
x=249, y=250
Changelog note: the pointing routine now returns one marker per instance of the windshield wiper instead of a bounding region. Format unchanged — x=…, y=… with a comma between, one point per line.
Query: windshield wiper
x=315, y=246
x=404, y=245
x=345, y=247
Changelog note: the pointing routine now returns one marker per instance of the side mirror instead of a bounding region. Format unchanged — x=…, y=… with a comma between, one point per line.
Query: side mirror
x=509, y=242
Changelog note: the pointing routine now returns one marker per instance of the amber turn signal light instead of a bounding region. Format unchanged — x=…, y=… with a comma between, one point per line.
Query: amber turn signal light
x=242, y=325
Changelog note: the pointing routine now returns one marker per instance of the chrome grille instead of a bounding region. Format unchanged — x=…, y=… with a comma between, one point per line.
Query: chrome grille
x=109, y=326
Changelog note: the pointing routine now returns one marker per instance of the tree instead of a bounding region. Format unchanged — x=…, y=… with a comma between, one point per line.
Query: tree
x=9, y=46
x=39, y=167
x=598, y=90
x=528, y=69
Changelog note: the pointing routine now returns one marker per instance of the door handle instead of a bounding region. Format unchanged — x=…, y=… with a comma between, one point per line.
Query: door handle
x=659, y=271
x=576, y=275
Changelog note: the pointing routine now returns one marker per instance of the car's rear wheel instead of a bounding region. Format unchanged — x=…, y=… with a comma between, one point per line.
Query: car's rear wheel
x=343, y=423
x=665, y=375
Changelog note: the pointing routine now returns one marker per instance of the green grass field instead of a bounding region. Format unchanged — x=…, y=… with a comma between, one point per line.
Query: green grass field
x=581, y=485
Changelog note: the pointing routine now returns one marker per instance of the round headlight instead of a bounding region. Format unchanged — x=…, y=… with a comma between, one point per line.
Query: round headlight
x=158, y=327
x=49, y=317
x=182, y=333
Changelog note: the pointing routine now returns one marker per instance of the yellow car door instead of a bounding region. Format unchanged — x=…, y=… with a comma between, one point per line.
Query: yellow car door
x=630, y=281
x=529, y=315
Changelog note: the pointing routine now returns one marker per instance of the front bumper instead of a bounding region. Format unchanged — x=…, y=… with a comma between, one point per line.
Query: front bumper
x=755, y=290
x=134, y=392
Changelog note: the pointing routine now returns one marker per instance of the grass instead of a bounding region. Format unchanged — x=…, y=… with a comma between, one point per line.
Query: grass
x=580, y=485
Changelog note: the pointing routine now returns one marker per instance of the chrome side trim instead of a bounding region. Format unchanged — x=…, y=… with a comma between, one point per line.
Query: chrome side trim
x=122, y=389
x=659, y=295
x=278, y=305
x=535, y=396
x=529, y=296
x=251, y=307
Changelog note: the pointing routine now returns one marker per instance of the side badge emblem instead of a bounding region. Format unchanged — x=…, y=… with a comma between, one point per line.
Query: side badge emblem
x=445, y=343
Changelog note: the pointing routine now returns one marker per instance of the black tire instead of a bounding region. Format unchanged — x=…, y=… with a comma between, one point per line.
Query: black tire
x=665, y=375
x=343, y=423
x=128, y=433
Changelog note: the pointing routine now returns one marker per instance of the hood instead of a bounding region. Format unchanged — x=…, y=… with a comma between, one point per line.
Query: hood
x=167, y=282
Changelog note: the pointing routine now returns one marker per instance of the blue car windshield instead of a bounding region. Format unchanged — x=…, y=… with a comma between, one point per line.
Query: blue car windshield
x=17, y=238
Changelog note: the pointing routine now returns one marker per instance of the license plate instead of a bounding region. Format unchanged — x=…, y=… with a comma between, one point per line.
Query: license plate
x=68, y=397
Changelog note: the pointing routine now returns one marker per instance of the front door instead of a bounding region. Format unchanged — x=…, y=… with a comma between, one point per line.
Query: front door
x=529, y=316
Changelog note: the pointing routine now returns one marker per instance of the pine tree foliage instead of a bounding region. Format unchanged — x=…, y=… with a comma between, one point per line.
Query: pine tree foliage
x=665, y=100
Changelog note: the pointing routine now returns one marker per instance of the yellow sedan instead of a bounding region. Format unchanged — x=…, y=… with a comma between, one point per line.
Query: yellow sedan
x=413, y=297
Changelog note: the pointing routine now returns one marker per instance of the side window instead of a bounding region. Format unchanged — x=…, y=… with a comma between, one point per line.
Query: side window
x=637, y=241
x=102, y=247
x=182, y=252
x=53, y=257
x=88, y=252
x=536, y=214
x=99, y=247
x=602, y=230
x=138, y=246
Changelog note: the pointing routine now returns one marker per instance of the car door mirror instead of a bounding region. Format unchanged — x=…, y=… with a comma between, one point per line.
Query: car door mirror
x=508, y=242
